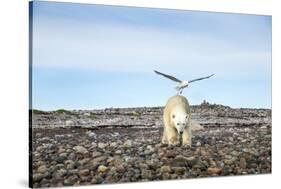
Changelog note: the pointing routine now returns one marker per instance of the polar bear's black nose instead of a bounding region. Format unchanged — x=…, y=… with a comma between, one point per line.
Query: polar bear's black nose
x=181, y=132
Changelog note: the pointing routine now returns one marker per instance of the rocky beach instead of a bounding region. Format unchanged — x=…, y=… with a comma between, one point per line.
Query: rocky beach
x=117, y=145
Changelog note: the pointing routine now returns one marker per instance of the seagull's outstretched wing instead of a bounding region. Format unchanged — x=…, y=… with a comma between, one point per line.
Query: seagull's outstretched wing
x=168, y=76
x=200, y=78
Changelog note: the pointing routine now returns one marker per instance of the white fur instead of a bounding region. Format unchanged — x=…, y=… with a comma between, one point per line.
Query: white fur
x=180, y=120
x=177, y=120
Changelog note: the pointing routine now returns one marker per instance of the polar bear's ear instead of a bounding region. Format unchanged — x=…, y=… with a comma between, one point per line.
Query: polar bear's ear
x=173, y=116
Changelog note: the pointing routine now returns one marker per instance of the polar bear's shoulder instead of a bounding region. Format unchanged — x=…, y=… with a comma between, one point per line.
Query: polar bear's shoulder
x=178, y=101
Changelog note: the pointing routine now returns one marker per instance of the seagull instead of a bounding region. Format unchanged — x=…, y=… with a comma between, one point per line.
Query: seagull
x=181, y=83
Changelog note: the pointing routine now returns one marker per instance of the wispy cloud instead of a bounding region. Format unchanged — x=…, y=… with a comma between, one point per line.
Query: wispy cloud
x=126, y=49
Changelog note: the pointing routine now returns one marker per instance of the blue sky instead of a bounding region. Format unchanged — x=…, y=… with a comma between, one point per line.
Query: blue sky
x=94, y=56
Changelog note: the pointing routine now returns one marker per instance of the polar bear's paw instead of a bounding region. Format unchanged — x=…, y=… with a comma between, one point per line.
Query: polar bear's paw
x=187, y=146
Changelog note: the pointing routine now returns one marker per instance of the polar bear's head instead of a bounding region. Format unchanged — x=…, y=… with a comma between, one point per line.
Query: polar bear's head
x=180, y=120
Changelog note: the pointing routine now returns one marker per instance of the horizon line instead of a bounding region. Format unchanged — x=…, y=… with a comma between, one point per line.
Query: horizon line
x=132, y=107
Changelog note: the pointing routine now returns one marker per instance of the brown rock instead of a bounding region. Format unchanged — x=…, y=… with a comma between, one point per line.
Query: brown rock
x=179, y=161
x=96, y=154
x=98, y=159
x=242, y=163
x=179, y=170
x=165, y=169
x=42, y=169
x=84, y=172
x=214, y=170
x=170, y=154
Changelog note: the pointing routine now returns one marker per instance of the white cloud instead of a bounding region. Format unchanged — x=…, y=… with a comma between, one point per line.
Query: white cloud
x=128, y=49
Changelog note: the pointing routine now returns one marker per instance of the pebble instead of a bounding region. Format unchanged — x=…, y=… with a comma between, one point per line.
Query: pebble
x=179, y=161
x=98, y=159
x=246, y=150
x=96, y=154
x=146, y=174
x=179, y=170
x=102, y=168
x=60, y=173
x=242, y=163
x=191, y=161
x=64, y=154
x=97, y=180
x=94, y=145
x=69, y=122
x=166, y=176
x=165, y=169
x=102, y=145
x=92, y=135
x=71, y=180
x=84, y=172
x=70, y=166
x=42, y=169
x=113, y=144
x=170, y=154
x=37, y=177
x=128, y=144
x=214, y=170
x=60, y=159
x=120, y=168
x=80, y=149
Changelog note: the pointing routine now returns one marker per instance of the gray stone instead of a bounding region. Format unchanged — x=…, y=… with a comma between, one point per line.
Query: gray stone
x=97, y=180
x=128, y=144
x=42, y=169
x=102, y=145
x=60, y=174
x=71, y=180
x=98, y=160
x=179, y=170
x=80, y=149
x=113, y=144
x=37, y=177
x=165, y=169
x=84, y=172
x=96, y=154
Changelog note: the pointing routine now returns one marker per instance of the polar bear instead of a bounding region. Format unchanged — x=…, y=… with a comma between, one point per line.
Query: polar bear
x=177, y=121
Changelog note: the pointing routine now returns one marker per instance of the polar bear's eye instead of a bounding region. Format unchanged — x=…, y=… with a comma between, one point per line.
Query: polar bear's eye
x=173, y=116
x=186, y=117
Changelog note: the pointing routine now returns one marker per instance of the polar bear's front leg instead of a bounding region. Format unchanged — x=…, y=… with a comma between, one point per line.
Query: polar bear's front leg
x=164, y=138
x=186, y=137
x=172, y=136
